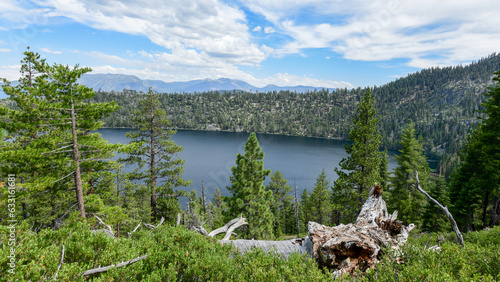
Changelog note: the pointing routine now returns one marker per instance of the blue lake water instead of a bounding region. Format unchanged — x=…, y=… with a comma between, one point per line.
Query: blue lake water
x=209, y=156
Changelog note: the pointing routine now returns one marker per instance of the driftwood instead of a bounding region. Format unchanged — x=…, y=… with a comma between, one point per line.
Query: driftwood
x=343, y=248
x=445, y=210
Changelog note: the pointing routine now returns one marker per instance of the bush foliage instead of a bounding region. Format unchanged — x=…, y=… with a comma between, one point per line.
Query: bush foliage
x=177, y=254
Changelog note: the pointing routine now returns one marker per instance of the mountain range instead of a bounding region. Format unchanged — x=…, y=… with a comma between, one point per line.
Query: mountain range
x=118, y=82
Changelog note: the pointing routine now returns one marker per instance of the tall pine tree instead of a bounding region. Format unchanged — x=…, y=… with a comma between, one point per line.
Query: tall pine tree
x=155, y=150
x=250, y=197
x=361, y=169
x=54, y=151
x=404, y=196
x=434, y=219
x=321, y=206
x=279, y=188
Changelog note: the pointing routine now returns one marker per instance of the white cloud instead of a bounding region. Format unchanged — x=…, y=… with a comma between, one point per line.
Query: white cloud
x=427, y=33
x=10, y=72
x=269, y=29
x=285, y=79
x=257, y=28
x=207, y=27
x=46, y=50
x=5, y=50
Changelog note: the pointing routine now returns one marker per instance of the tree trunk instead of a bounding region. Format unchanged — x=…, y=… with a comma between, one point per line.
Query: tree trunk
x=296, y=209
x=153, y=175
x=76, y=159
x=495, y=213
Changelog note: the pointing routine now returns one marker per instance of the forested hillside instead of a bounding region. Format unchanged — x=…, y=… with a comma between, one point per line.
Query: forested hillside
x=444, y=101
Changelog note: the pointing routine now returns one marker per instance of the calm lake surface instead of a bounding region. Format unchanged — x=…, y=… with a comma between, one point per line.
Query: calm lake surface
x=209, y=156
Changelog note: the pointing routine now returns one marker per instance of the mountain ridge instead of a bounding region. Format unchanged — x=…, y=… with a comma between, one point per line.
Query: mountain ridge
x=118, y=82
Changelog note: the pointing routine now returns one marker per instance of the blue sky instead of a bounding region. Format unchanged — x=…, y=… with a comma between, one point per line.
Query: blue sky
x=309, y=42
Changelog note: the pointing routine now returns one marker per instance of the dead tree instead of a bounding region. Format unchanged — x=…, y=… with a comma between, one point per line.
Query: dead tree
x=445, y=210
x=343, y=248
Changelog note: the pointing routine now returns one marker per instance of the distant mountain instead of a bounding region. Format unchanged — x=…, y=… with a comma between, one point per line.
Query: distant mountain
x=118, y=82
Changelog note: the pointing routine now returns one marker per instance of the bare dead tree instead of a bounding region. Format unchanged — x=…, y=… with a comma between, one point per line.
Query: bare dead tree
x=444, y=209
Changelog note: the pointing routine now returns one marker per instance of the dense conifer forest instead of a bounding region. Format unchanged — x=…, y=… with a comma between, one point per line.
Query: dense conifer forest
x=68, y=207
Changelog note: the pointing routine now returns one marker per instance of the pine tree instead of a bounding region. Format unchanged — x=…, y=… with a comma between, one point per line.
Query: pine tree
x=155, y=150
x=279, y=188
x=434, y=220
x=249, y=197
x=404, y=197
x=218, y=208
x=54, y=151
x=305, y=210
x=351, y=188
x=320, y=199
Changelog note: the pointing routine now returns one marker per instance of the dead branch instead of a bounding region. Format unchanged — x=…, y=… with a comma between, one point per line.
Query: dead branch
x=102, y=222
x=228, y=228
x=445, y=210
x=138, y=225
x=150, y=226
x=106, y=268
x=178, y=222
x=60, y=262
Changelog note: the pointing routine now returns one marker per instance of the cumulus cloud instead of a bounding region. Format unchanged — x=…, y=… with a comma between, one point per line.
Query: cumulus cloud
x=46, y=50
x=257, y=28
x=207, y=27
x=447, y=33
x=269, y=29
x=10, y=72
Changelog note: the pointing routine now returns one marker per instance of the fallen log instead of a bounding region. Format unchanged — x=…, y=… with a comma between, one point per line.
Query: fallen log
x=343, y=248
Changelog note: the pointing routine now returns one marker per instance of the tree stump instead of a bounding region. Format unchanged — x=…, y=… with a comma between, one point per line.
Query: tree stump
x=343, y=248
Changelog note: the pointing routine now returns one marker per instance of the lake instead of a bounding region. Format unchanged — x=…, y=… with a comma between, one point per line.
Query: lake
x=209, y=156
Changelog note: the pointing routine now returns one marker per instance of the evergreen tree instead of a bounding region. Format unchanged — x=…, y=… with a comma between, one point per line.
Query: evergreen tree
x=351, y=188
x=320, y=199
x=434, y=219
x=384, y=170
x=475, y=187
x=155, y=149
x=249, y=197
x=305, y=210
x=279, y=188
x=217, y=208
x=404, y=197
x=53, y=151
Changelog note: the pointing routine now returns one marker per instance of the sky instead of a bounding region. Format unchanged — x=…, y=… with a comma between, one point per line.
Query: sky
x=283, y=42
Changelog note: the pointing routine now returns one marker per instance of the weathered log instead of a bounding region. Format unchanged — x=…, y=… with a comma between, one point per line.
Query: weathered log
x=445, y=210
x=343, y=248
